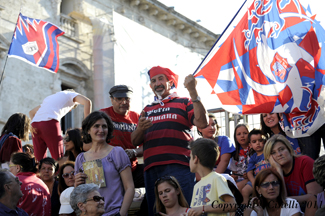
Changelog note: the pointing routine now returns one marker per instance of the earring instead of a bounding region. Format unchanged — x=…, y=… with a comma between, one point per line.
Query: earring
x=260, y=195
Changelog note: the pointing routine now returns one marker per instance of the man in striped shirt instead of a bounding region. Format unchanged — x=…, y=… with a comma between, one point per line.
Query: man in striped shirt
x=164, y=128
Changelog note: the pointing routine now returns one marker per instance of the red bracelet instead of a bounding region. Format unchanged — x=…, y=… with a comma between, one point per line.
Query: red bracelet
x=203, y=209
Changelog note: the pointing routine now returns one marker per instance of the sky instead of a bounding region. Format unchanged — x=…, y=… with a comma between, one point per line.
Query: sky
x=215, y=15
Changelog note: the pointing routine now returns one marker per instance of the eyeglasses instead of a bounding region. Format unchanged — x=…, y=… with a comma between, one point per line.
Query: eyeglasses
x=120, y=100
x=267, y=184
x=164, y=178
x=67, y=175
x=67, y=138
x=16, y=180
x=96, y=199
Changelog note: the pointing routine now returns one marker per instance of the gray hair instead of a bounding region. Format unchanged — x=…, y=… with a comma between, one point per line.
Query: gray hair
x=4, y=178
x=80, y=194
x=319, y=171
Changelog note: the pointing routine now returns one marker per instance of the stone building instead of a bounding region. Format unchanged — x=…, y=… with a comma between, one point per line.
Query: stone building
x=106, y=42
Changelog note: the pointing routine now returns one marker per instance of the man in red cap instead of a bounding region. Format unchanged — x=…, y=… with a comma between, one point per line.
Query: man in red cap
x=164, y=128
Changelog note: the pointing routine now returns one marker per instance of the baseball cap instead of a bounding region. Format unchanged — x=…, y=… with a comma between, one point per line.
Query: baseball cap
x=65, y=201
x=120, y=91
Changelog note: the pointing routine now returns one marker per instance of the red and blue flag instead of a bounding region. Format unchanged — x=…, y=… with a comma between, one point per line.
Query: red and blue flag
x=271, y=60
x=35, y=42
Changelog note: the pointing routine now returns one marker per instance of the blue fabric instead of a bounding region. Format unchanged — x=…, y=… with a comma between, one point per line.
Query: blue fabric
x=182, y=173
x=257, y=163
x=225, y=144
x=4, y=210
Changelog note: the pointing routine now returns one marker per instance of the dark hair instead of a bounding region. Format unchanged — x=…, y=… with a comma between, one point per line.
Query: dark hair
x=319, y=171
x=62, y=184
x=266, y=130
x=19, y=125
x=90, y=120
x=51, y=161
x=236, y=155
x=255, y=132
x=261, y=176
x=25, y=161
x=174, y=183
x=215, y=121
x=74, y=136
x=206, y=150
x=28, y=147
x=235, y=191
x=4, y=178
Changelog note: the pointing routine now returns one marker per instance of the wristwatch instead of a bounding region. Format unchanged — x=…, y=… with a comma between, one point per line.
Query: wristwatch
x=198, y=99
x=135, y=152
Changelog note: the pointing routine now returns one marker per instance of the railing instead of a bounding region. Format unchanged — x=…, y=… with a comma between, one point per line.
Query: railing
x=69, y=25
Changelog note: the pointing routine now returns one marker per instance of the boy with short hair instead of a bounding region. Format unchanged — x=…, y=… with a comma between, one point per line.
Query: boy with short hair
x=211, y=195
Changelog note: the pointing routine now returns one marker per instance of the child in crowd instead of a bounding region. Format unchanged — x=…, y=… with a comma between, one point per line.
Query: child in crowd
x=256, y=161
x=239, y=161
x=211, y=195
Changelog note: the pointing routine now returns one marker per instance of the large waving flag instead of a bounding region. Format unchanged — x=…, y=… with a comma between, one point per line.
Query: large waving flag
x=35, y=42
x=273, y=60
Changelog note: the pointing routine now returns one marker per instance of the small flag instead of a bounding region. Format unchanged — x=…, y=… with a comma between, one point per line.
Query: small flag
x=271, y=60
x=35, y=42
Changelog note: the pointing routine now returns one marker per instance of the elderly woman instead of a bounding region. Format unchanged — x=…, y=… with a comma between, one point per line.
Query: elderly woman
x=270, y=198
x=15, y=130
x=36, y=199
x=86, y=200
x=297, y=171
x=226, y=147
x=97, y=128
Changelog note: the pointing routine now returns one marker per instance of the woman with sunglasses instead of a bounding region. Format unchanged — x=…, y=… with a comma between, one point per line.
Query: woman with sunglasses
x=36, y=198
x=112, y=161
x=66, y=176
x=270, y=197
x=169, y=197
x=85, y=199
x=296, y=171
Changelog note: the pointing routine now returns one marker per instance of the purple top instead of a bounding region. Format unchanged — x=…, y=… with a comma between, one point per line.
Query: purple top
x=114, y=163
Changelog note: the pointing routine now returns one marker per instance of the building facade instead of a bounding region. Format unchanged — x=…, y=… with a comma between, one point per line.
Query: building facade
x=106, y=42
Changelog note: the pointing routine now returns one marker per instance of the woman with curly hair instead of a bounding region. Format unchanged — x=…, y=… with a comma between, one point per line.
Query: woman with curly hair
x=15, y=130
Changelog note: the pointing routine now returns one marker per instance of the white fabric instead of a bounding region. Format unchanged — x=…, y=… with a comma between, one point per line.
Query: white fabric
x=291, y=208
x=55, y=106
x=65, y=201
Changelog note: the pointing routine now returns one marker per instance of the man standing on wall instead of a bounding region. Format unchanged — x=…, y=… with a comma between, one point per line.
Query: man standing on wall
x=46, y=121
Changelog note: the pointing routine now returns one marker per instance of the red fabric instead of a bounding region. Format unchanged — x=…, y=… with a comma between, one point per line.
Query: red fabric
x=160, y=70
x=36, y=199
x=11, y=145
x=301, y=174
x=124, y=125
x=47, y=135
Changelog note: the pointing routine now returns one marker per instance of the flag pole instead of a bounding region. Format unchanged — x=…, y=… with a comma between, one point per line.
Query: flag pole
x=220, y=36
x=3, y=71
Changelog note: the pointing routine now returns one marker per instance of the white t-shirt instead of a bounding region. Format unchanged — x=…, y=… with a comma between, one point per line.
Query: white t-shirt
x=55, y=106
x=291, y=208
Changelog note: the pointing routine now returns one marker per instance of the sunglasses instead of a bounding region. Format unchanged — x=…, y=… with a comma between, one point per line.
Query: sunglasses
x=96, y=199
x=67, y=138
x=67, y=175
x=164, y=178
x=267, y=184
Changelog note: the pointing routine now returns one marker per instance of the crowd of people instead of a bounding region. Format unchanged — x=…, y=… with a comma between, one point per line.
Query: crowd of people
x=263, y=172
